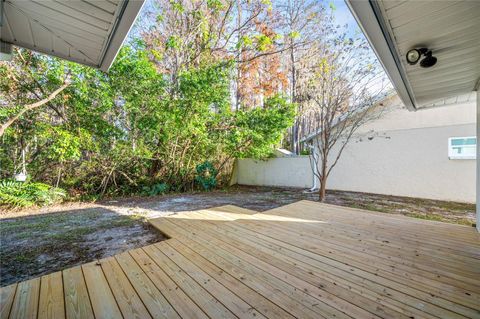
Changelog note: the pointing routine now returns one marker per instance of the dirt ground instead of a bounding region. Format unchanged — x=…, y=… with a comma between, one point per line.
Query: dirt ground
x=40, y=241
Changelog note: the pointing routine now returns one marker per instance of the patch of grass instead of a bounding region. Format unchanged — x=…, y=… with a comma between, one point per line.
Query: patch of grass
x=376, y=208
x=367, y=206
x=23, y=235
x=464, y=221
x=434, y=217
x=16, y=226
x=25, y=256
x=44, y=222
x=125, y=221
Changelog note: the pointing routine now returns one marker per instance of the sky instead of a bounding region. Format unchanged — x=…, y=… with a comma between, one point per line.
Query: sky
x=344, y=16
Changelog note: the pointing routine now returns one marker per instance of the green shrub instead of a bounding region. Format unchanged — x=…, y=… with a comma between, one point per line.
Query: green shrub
x=305, y=152
x=206, y=175
x=156, y=189
x=16, y=194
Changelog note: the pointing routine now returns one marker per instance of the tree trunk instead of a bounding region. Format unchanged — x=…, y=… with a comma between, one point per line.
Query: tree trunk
x=239, y=57
x=293, y=94
x=323, y=189
x=323, y=179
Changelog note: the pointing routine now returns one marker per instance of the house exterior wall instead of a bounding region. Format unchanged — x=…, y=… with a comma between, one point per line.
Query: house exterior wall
x=402, y=153
x=412, y=162
x=478, y=157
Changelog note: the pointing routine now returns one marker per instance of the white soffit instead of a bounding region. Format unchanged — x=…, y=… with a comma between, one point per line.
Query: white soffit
x=468, y=98
x=451, y=29
x=89, y=32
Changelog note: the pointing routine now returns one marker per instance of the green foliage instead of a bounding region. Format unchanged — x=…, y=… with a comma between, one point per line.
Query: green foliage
x=305, y=152
x=65, y=145
x=263, y=42
x=156, y=189
x=206, y=175
x=258, y=129
x=172, y=43
x=15, y=194
x=111, y=133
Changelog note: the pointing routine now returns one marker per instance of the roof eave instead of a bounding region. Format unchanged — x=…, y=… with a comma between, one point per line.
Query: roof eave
x=370, y=19
x=124, y=23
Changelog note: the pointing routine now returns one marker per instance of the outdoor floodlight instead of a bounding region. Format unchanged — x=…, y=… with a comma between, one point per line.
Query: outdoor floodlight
x=428, y=61
x=414, y=55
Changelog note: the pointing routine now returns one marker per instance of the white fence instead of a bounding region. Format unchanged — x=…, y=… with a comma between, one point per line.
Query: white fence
x=281, y=171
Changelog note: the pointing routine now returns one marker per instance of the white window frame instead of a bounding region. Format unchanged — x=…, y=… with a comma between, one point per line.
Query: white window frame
x=455, y=156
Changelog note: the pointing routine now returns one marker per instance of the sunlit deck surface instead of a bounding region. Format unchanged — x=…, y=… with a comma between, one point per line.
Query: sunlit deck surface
x=304, y=260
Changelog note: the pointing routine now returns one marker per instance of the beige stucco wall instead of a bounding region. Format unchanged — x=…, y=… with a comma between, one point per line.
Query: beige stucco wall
x=403, y=153
x=478, y=157
x=411, y=162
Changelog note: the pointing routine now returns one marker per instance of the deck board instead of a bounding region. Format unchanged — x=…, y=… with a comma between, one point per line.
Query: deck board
x=303, y=260
x=77, y=301
x=7, y=294
x=25, y=303
x=51, y=304
x=128, y=300
x=150, y=294
x=103, y=303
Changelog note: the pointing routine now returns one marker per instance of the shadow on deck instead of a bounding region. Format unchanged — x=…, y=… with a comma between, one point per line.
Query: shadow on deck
x=303, y=260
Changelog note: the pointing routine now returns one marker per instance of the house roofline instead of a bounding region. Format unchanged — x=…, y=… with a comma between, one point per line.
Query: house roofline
x=387, y=96
x=124, y=22
x=370, y=19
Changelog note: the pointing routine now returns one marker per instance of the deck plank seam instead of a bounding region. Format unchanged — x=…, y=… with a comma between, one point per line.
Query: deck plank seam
x=383, y=285
x=288, y=283
x=166, y=256
x=151, y=281
x=294, y=275
x=335, y=260
x=133, y=286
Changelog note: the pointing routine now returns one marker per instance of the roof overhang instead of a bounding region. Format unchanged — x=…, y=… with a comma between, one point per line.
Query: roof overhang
x=449, y=29
x=89, y=32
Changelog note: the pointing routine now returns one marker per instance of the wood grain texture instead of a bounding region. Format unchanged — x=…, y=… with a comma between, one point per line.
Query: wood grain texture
x=103, y=303
x=52, y=303
x=25, y=303
x=128, y=300
x=77, y=301
x=150, y=294
x=7, y=294
x=303, y=260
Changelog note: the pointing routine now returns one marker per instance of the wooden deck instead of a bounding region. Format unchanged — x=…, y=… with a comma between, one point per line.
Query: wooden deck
x=304, y=260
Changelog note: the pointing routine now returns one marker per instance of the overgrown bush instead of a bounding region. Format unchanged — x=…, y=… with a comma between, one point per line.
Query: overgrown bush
x=155, y=189
x=16, y=194
x=110, y=134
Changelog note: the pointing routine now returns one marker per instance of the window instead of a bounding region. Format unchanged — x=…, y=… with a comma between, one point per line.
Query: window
x=462, y=147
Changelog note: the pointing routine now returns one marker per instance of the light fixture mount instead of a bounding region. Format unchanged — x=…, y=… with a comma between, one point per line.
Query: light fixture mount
x=414, y=55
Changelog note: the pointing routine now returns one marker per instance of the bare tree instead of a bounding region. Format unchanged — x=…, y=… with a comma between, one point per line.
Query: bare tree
x=344, y=84
x=302, y=20
x=251, y=33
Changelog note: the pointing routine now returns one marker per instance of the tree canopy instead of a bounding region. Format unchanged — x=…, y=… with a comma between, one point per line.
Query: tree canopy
x=132, y=127
x=198, y=84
